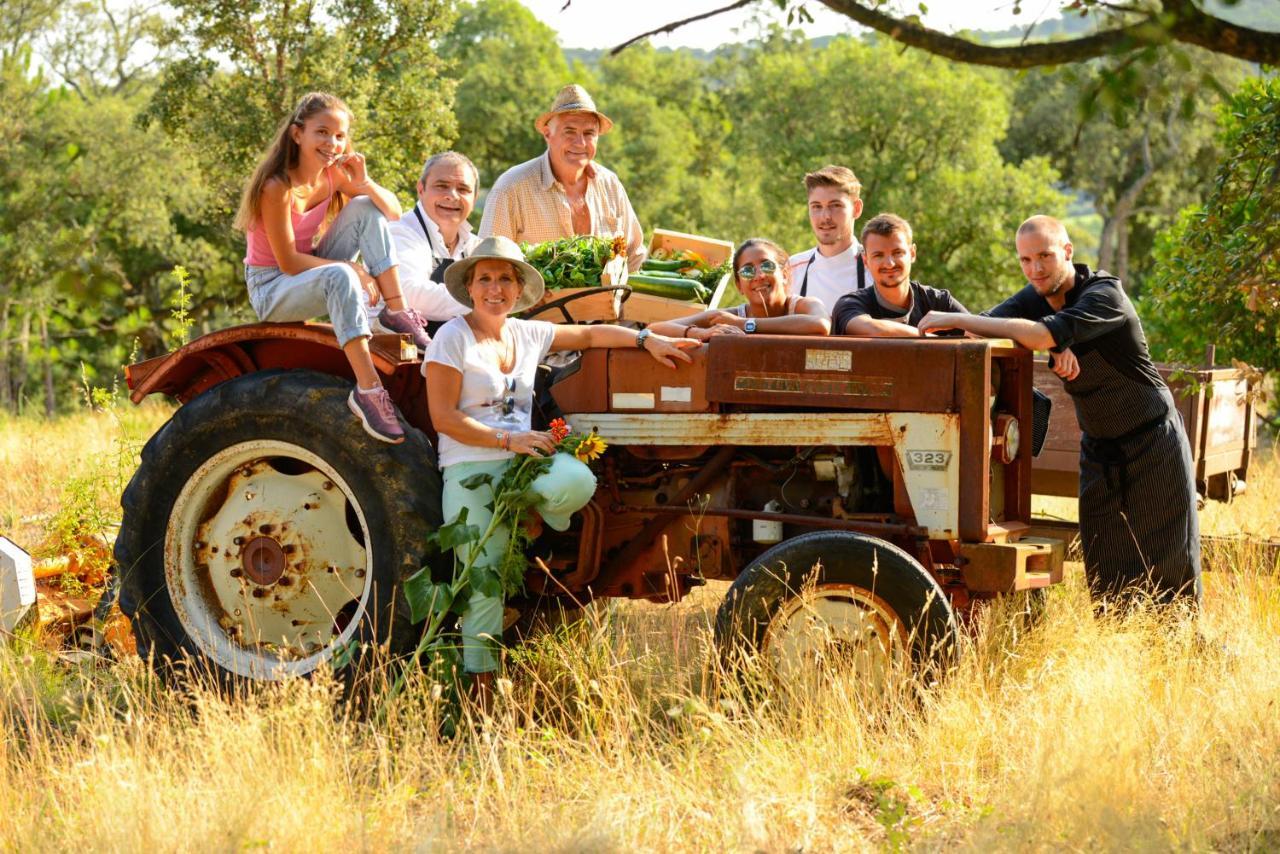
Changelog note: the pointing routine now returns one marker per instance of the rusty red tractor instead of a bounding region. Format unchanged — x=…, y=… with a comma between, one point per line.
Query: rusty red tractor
x=874, y=488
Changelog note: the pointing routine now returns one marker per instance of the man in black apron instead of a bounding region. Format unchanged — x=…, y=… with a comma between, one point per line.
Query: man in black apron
x=1138, y=521
x=436, y=235
x=835, y=266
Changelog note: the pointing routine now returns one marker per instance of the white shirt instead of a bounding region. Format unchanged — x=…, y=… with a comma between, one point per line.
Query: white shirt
x=418, y=253
x=487, y=391
x=829, y=277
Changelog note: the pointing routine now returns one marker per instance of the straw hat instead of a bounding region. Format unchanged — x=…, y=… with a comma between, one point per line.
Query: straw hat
x=495, y=248
x=573, y=99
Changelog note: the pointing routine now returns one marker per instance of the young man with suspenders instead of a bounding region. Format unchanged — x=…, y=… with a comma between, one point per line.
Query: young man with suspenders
x=834, y=267
x=436, y=235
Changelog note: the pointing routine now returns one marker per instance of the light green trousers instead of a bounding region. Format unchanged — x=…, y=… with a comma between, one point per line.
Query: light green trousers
x=564, y=489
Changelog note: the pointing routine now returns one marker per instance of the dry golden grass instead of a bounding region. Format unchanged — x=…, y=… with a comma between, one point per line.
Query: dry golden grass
x=1152, y=731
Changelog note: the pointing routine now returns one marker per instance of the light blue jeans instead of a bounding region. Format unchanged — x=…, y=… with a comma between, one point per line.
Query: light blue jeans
x=333, y=289
x=564, y=489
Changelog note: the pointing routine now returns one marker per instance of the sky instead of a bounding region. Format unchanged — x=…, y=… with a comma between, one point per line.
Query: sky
x=606, y=23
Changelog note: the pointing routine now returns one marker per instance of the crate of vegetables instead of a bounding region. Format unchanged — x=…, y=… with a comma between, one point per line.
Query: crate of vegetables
x=586, y=278
x=684, y=274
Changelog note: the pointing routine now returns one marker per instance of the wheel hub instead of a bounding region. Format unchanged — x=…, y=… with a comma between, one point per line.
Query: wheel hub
x=263, y=561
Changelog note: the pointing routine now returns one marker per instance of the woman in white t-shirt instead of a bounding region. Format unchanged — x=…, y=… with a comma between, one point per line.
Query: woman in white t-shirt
x=480, y=371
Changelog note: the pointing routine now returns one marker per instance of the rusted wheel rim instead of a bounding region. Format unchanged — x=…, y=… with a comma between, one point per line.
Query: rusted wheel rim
x=265, y=559
x=836, y=626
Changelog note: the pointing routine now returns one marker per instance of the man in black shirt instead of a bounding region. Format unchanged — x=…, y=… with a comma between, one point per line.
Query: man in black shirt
x=1138, y=521
x=895, y=306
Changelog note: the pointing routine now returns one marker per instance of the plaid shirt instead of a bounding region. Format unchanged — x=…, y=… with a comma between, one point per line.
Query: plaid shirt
x=528, y=204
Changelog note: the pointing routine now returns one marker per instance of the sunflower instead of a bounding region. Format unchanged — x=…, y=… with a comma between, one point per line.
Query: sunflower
x=590, y=448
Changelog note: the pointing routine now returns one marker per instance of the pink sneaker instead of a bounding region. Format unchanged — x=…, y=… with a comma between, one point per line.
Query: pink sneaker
x=407, y=322
x=377, y=413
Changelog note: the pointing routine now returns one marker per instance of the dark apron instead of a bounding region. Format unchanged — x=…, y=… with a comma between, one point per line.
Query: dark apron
x=804, y=283
x=1138, y=523
x=442, y=264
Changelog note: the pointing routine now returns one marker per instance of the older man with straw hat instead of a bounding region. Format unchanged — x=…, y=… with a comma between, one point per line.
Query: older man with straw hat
x=564, y=192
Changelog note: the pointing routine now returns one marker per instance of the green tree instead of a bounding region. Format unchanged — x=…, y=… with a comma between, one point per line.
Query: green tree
x=669, y=138
x=508, y=67
x=1218, y=279
x=375, y=54
x=1138, y=163
x=921, y=135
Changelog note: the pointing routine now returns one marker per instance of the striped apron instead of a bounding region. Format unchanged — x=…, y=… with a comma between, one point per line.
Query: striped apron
x=1138, y=522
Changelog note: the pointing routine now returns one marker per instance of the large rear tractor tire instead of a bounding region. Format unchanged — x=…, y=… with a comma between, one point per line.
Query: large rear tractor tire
x=836, y=599
x=265, y=533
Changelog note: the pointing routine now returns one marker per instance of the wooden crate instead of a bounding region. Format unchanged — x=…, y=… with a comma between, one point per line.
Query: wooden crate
x=645, y=308
x=596, y=305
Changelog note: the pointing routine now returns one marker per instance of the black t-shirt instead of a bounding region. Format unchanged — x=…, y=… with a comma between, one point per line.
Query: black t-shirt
x=1097, y=316
x=924, y=299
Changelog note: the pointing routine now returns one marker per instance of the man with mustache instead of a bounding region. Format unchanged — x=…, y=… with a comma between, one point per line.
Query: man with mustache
x=437, y=234
x=894, y=307
x=835, y=266
x=1138, y=523
x=564, y=192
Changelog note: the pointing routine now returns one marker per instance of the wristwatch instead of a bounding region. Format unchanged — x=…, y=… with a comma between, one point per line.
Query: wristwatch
x=642, y=337
x=749, y=326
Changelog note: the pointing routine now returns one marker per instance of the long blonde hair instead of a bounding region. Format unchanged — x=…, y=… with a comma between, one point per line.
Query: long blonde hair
x=283, y=156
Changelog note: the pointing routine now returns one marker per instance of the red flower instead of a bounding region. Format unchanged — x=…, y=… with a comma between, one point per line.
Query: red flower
x=559, y=429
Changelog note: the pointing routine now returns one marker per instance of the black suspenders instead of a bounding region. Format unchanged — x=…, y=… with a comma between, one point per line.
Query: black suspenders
x=804, y=283
x=441, y=259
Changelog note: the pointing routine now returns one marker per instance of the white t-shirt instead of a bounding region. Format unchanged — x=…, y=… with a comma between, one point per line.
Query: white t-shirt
x=497, y=400
x=829, y=278
x=417, y=255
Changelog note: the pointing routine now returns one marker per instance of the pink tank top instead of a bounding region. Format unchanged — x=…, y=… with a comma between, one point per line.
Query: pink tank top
x=305, y=225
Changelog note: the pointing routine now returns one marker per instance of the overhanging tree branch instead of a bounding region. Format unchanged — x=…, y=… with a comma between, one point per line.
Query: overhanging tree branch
x=675, y=25
x=1177, y=21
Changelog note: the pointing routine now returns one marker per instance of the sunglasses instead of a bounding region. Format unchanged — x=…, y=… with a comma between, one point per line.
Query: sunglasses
x=509, y=400
x=748, y=271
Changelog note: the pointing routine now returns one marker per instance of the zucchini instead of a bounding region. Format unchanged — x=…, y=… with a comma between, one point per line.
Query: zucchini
x=665, y=274
x=669, y=266
x=660, y=286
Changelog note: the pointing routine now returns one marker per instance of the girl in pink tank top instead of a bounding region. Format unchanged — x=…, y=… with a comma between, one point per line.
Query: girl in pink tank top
x=308, y=211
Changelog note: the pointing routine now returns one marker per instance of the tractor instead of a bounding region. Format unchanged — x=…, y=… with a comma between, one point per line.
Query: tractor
x=876, y=489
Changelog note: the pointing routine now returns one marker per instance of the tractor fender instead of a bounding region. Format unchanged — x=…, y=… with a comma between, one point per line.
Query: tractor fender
x=226, y=354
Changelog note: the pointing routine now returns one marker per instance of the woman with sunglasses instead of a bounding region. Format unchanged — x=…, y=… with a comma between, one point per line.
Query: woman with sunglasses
x=761, y=272
x=480, y=370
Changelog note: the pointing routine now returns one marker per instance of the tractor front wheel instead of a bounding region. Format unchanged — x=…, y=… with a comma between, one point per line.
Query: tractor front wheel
x=836, y=598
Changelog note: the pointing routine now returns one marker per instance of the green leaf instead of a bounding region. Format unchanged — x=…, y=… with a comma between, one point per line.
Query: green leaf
x=454, y=534
x=485, y=581
x=426, y=597
x=475, y=480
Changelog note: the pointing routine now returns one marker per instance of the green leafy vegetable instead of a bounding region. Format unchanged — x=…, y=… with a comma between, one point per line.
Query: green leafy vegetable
x=573, y=262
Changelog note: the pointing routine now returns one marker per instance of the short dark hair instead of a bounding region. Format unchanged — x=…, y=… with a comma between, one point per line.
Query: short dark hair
x=455, y=157
x=840, y=177
x=884, y=225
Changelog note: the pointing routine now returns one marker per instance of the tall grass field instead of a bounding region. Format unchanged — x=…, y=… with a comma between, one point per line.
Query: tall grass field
x=1148, y=731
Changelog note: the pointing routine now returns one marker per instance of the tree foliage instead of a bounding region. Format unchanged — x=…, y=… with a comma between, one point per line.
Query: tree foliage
x=125, y=144
x=1219, y=276
x=921, y=136
x=508, y=68
x=1136, y=162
